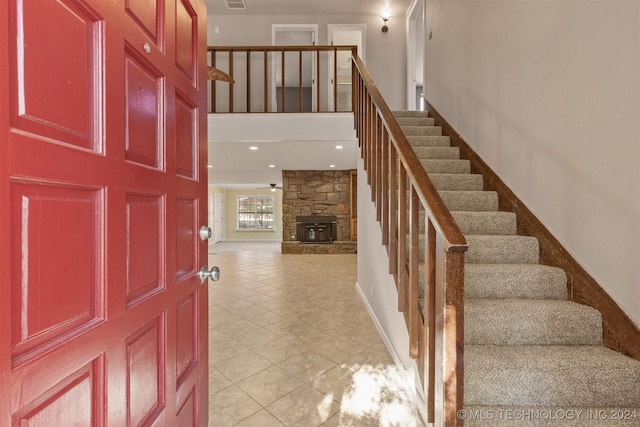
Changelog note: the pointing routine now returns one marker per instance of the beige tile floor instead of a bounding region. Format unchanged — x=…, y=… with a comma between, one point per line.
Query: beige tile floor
x=292, y=344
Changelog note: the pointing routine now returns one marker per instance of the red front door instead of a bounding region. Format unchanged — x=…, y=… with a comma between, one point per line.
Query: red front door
x=103, y=319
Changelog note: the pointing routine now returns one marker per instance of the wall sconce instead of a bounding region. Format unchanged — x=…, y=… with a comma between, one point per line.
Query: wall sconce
x=385, y=17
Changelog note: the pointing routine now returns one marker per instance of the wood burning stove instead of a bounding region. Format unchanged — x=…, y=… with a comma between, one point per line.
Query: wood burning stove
x=317, y=229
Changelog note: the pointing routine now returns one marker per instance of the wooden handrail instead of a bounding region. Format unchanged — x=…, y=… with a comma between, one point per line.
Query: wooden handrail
x=247, y=81
x=444, y=223
x=400, y=188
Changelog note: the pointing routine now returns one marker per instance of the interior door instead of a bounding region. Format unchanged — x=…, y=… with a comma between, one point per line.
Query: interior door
x=218, y=212
x=340, y=75
x=415, y=56
x=103, y=318
x=294, y=35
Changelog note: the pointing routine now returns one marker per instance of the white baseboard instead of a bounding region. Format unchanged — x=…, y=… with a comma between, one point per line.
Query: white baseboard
x=385, y=339
x=250, y=241
x=412, y=371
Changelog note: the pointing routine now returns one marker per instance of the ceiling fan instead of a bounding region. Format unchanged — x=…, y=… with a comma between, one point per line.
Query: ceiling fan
x=272, y=187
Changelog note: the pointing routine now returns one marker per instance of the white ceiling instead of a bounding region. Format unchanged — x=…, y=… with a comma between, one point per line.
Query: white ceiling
x=301, y=141
x=310, y=7
x=235, y=167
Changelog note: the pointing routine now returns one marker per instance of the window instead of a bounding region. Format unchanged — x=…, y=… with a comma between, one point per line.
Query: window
x=255, y=212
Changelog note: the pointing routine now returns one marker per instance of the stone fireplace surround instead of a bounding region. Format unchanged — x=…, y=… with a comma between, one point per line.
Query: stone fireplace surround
x=316, y=193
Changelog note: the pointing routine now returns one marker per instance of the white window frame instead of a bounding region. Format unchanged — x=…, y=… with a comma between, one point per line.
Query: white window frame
x=273, y=212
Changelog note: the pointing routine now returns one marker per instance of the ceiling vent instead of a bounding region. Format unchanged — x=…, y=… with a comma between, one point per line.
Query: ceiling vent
x=236, y=4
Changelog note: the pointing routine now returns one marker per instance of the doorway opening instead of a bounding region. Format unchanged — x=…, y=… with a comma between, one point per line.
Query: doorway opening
x=415, y=56
x=340, y=74
x=292, y=74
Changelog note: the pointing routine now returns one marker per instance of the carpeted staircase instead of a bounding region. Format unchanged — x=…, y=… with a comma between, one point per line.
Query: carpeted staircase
x=531, y=357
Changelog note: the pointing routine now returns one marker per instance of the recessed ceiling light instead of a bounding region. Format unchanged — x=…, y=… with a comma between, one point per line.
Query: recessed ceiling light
x=339, y=147
x=332, y=166
x=272, y=166
x=253, y=147
x=209, y=166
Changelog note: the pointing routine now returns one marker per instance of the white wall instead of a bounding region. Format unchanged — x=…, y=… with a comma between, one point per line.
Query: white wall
x=386, y=53
x=548, y=94
x=376, y=285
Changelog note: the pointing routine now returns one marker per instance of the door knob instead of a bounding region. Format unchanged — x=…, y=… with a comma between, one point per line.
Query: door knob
x=205, y=233
x=213, y=274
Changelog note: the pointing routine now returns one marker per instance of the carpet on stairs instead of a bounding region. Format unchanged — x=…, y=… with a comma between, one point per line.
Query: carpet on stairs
x=531, y=357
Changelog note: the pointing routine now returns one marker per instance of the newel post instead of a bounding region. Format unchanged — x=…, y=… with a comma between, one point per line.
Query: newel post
x=454, y=339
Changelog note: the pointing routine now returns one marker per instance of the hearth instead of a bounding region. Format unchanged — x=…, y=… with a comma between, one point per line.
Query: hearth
x=317, y=229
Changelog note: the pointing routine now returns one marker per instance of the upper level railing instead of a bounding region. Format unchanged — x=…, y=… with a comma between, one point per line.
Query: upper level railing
x=288, y=79
x=426, y=256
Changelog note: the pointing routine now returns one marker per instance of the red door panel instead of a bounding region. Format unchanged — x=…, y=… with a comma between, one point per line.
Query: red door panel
x=77, y=400
x=186, y=338
x=144, y=237
x=188, y=413
x=144, y=111
x=70, y=281
x=186, y=136
x=146, y=384
x=42, y=81
x=103, y=319
x=185, y=39
x=186, y=250
x=148, y=15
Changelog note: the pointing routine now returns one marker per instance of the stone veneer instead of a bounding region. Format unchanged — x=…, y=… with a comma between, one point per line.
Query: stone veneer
x=309, y=193
x=345, y=247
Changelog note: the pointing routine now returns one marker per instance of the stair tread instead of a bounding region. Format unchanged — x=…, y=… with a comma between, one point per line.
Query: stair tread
x=522, y=281
x=502, y=249
x=457, y=181
x=470, y=200
x=437, y=152
x=499, y=238
x=485, y=222
x=409, y=113
x=422, y=130
x=443, y=181
x=429, y=141
x=452, y=166
x=550, y=375
x=415, y=121
x=526, y=322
